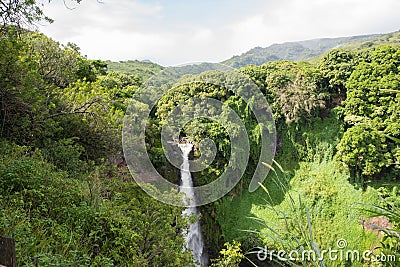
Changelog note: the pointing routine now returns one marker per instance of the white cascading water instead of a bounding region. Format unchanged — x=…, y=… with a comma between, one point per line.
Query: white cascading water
x=193, y=237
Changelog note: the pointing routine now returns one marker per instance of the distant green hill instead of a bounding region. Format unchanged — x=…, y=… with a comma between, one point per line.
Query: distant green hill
x=303, y=50
x=392, y=38
x=142, y=69
x=295, y=51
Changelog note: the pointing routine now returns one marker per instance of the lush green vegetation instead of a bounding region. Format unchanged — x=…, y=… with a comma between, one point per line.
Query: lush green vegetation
x=321, y=186
x=68, y=199
x=93, y=220
x=141, y=69
x=345, y=156
x=337, y=135
x=63, y=197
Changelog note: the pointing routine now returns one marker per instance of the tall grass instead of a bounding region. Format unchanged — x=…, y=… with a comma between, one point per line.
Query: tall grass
x=296, y=233
x=318, y=210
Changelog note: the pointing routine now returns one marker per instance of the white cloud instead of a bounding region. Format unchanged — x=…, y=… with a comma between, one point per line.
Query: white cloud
x=117, y=45
x=133, y=29
x=102, y=15
x=299, y=20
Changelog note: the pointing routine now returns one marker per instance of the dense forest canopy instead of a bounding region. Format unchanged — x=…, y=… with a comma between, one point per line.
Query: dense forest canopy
x=68, y=199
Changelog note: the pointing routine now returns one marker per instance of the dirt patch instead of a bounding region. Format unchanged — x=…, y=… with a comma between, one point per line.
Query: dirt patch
x=376, y=223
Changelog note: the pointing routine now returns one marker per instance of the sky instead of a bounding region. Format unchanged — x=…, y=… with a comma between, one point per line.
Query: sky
x=174, y=32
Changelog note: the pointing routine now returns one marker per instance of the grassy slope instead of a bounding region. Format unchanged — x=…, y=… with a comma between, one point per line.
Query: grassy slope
x=322, y=185
x=141, y=69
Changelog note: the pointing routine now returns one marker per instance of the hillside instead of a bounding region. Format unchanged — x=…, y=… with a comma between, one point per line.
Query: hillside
x=294, y=51
x=392, y=38
x=302, y=50
x=143, y=69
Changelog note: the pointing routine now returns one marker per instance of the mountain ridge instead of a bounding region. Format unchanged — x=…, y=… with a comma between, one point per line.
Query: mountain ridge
x=294, y=51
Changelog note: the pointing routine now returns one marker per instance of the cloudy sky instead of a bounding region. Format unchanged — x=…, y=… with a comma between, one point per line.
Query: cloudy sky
x=171, y=32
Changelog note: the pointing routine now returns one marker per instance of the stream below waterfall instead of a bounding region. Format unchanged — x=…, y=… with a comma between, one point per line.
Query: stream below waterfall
x=193, y=237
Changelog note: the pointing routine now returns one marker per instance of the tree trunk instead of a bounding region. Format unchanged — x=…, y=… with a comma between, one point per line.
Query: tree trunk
x=7, y=252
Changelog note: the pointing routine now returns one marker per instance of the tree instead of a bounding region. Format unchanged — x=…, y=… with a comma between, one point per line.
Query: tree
x=293, y=90
x=23, y=13
x=300, y=100
x=231, y=256
x=364, y=149
x=370, y=108
x=336, y=67
x=58, y=64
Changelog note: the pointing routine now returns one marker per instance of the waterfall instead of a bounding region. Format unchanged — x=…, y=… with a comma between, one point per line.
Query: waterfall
x=193, y=237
